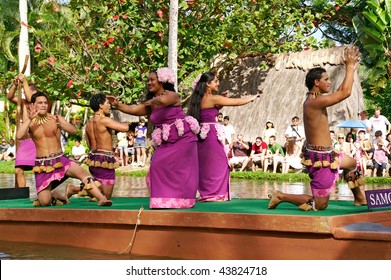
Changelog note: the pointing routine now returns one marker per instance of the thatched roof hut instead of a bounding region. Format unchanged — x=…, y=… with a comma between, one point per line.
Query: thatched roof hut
x=284, y=91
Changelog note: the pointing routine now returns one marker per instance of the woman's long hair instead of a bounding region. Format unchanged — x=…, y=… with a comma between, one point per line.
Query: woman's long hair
x=194, y=105
x=290, y=146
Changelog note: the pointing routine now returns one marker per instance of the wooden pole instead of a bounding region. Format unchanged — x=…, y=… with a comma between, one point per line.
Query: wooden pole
x=19, y=110
x=19, y=102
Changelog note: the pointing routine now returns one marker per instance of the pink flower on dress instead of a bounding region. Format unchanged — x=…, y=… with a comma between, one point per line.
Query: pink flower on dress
x=196, y=81
x=179, y=127
x=166, y=131
x=220, y=132
x=205, y=127
x=193, y=123
x=165, y=75
x=156, y=137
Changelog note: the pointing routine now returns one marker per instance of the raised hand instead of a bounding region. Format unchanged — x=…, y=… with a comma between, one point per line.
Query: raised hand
x=352, y=56
x=113, y=100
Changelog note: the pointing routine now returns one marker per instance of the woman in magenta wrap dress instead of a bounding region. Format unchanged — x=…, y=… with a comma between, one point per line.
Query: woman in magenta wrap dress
x=173, y=174
x=204, y=106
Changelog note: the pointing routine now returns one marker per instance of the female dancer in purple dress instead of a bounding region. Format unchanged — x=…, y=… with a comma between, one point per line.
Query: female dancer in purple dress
x=213, y=163
x=173, y=174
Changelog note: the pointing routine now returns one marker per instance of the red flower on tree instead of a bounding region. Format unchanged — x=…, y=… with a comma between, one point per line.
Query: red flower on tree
x=69, y=83
x=108, y=41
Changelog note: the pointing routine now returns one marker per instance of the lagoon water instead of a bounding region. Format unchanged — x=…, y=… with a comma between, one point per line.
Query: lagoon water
x=136, y=187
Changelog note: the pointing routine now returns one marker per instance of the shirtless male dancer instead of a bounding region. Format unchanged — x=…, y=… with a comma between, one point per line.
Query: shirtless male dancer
x=25, y=154
x=101, y=159
x=51, y=166
x=318, y=156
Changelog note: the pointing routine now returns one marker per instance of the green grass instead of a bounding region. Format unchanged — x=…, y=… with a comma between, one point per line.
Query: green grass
x=8, y=168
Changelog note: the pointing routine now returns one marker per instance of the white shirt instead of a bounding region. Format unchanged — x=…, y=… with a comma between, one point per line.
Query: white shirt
x=229, y=131
x=289, y=132
x=78, y=151
x=11, y=150
x=379, y=123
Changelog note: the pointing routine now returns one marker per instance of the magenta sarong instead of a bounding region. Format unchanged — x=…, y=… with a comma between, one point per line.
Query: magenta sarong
x=213, y=162
x=26, y=153
x=104, y=175
x=173, y=173
x=55, y=178
x=323, y=178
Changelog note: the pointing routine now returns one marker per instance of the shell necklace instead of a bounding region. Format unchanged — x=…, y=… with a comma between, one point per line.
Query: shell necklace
x=40, y=120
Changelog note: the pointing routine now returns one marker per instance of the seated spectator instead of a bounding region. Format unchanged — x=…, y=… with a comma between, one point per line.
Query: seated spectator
x=361, y=157
x=274, y=154
x=343, y=146
x=333, y=140
x=378, y=137
x=239, y=152
x=292, y=156
x=78, y=151
x=11, y=151
x=257, y=155
x=296, y=131
x=380, y=158
x=268, y=131
x=3, y=148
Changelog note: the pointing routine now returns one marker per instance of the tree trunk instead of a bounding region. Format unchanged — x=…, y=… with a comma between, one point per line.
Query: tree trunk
x=173, y=39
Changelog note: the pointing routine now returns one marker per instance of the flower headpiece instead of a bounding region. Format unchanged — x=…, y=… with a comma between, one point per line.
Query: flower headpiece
x=165, y=75
x=196, y=80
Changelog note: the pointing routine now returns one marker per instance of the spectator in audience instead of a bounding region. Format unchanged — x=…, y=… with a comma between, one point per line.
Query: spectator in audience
x=342, y=145
x=140, y=143
x=3, y=148
x=364, y=120
x=131, y=150
x=78, y=151
x=220, y=119
x=292, y=156
x=239, y=152
x=361, y=157
x=257, y=155
x=229, y=135
x=296, y=131
x=379, y=122
x=274, y=154
x=333, y=140
x=11, y=151
x=378, y=137
x=380, y=158
x=122, y=147
x=268, y=131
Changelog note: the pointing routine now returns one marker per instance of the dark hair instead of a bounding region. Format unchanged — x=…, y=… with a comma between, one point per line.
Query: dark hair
x=166, y=86
x=378, y=133
x=226, y=118
x=269, y=122
x=273, y=136
x=220, y=114
x=96, y=100
x=312, y=75
x=295, y=118
x=259, y=137
x=194, y=104
x=36, y=95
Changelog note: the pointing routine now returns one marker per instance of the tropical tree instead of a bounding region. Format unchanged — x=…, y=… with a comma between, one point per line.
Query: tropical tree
x=90, y=46
x=373, y=27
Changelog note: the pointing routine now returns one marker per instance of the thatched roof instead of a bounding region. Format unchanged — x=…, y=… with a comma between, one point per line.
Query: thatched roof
x=284, y=91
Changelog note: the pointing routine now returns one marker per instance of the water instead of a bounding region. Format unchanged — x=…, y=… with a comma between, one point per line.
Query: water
x=136, y=187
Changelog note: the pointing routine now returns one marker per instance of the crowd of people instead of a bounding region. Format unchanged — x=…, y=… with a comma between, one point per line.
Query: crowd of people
x=194, y=152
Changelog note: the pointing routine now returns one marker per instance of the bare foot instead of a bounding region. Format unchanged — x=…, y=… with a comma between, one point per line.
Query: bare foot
x=60, y=197
x=71, y=190
x=274, y=200
x=105, y=203
x=360, y=202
